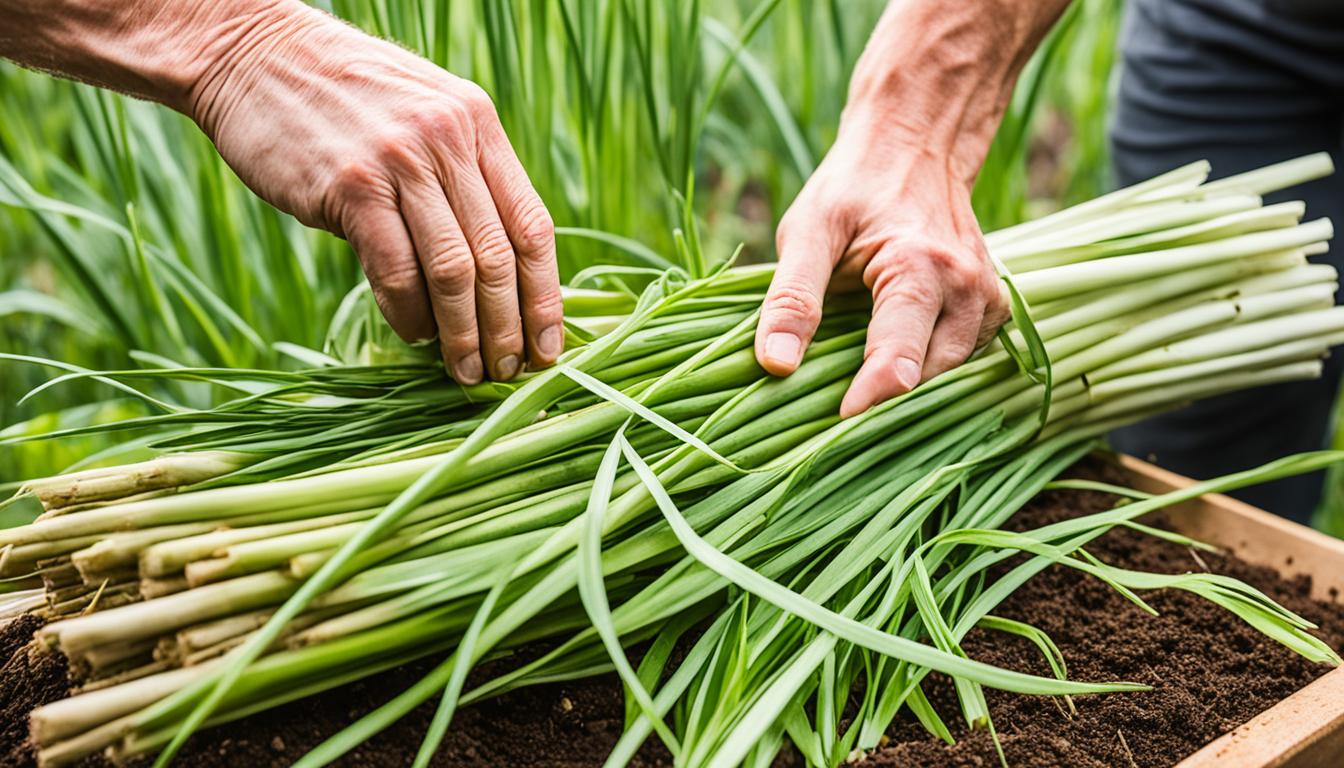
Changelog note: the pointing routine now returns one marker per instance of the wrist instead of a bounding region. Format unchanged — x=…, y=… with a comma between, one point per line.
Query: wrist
x=938, y=77
x=153, y=49
x=890, y=138
x=238, y=48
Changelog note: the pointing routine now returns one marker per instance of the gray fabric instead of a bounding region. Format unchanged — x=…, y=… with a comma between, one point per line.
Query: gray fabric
x=1243, y=83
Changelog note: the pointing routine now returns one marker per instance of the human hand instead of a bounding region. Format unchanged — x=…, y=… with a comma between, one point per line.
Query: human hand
x=407, y=162
x=894, y=217
x=890, y=205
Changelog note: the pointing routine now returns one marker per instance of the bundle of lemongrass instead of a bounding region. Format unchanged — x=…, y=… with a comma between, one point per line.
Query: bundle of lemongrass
x=616, y=498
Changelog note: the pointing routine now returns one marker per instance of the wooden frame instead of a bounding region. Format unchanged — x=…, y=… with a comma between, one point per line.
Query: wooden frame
x=1305, y=730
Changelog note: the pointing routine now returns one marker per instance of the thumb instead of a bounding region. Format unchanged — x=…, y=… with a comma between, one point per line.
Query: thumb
x=808, y=252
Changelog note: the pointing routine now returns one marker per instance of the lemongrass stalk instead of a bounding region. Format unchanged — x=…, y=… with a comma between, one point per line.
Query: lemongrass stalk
x=313, y=550
x=434, y=569
x=1173, y=183
x=73, y=728
x=1269, y=217
x=65, y=718
x=380, y=613
x=165, y=614
x=1092, y=324
x=1149, y=220
x=1178, y=325
x=137, y=515
x=1274, y=331
x=211, y=633
x=168, y=471
x=122, y=550
x=327, y=493
x=151, y=588
x=485, y=524
x=16, y=604
x=22, y=558
x=1189, y=391
x=1189, y=287
x=62, y=593
x=1057, y=282
x=195, y=645
x=173, y=555
x=102, y=600
x=1274, y=177
x=1290, y=352
x=103, y=658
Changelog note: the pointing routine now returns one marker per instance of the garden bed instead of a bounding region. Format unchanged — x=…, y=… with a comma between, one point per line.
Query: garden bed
x=1209, y=672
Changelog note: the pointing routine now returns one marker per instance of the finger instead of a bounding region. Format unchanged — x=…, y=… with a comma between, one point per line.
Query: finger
x=808, y=251
x=954, y=337
x=967, y=284
x=378, y=235
x=532, y=233
x=906, y=303
x=450, y=274
x=496, y=278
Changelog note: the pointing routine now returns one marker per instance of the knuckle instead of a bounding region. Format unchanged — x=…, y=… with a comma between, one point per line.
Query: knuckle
x=353, y=176
x=809, y=212
x=396, y=149
x=459, y=345
x=506, y=339
x=841, y=211
x=796, y=302
x=957, y=349
x=535, y=232
x=450, y=269
x=494, y=262
x=883, y=351
x=921, y=292
x=888, y=280
x=962, y=274
x=456, y=123
x=476, y=103
x=546, y=307
x=433, y=125
x=396, y=282
x=788, y=224
x=352, y=186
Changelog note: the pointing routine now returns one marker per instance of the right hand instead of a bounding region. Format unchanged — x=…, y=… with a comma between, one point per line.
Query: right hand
x=409, y=163
x=898, y=218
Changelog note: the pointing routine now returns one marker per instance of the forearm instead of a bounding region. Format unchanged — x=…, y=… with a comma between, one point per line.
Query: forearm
x=939, y=74
x=154, y=49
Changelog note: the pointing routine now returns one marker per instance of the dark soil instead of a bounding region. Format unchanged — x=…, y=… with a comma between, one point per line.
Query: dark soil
x=26, y=680
x=1209, y=673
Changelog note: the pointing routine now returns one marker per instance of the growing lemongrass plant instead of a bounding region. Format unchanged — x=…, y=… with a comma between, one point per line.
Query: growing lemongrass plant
x=657, y=488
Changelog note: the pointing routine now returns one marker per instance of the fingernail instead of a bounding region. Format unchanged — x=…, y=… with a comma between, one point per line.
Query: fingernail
x=784, y=348
x=907, y=373
x=468, y=370
x=507, y=367
x=550, y=342
x=851, y=405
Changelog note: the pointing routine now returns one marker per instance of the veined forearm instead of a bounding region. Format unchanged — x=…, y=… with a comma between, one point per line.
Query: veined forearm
x=154, y=49
x=944, y=70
